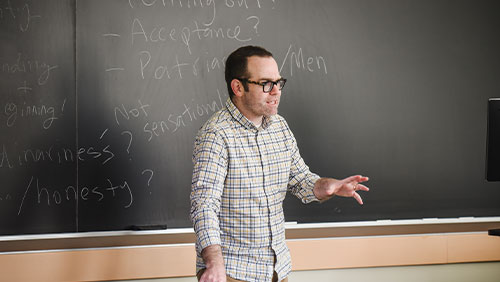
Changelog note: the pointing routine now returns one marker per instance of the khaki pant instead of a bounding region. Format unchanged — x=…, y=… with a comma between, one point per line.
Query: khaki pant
x=229, y=279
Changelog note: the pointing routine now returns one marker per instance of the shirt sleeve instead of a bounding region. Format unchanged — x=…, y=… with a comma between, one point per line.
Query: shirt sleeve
x=209, y=173
x=302, y=180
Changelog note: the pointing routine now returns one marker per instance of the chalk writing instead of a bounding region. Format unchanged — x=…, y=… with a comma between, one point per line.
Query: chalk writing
x=27, y=18
x=176, y=70
x=61, y=155
x=25, y=88
x=175, y=122
x=123, y=186
x=55, y=155
x=210, y=32
x=128, y=113
x=111, y=35
x=23, y=15
x=24, y=65
x=6, y=197
x=129, y=141
x=202, y=31
x=296, y=61
x=4, y=162
x=210, y=64
x=210, y=4
x=161, y=71
x=175, y=51
x=50, y=196
x=114, y=69
x=240, y=3
x=151, y=173
x=257, y=21
x=103, y=133
x=7, y=10
x=105, y=154
x=13, y=112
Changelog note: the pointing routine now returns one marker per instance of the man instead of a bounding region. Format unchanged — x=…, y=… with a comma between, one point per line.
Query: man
x=245, y=160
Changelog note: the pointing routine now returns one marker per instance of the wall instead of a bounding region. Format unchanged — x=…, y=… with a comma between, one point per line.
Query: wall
x=464, y=272
x=308, y=253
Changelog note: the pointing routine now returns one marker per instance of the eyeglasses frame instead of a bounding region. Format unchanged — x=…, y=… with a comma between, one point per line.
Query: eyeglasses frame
x=263, y=84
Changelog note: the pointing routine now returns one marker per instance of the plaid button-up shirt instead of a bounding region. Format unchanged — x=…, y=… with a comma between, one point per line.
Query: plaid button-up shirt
x=240, y=179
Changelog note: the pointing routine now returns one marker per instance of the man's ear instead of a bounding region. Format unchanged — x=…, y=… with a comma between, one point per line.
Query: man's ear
x=237, y=87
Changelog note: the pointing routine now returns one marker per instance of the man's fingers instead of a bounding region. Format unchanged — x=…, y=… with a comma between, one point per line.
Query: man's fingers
x=358, y=198
x=356, y=186
x=356, y=178
x=353, y=178
x=362, y=187
x=362, y=178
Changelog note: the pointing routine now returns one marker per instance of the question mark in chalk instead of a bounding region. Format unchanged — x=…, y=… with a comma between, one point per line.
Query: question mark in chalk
x=130, y=140
x=150, y=177
x=256, y=24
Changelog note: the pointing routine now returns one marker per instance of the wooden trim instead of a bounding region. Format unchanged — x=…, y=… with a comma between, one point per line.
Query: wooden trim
x=99, y=264
x=368, y=252
x=175, y=260
x=393, y=251
x=294, y=231
x=473, y=248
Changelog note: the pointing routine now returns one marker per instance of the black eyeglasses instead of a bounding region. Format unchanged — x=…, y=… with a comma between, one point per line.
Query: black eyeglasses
x=267, y=86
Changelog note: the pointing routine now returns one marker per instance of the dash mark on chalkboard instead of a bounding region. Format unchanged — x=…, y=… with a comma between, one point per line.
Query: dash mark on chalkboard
x=115, y=69
x=111, y=35
x=104, y=132
x=62, y=107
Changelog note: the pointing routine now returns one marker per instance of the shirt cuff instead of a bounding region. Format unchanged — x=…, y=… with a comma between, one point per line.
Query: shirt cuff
x=309, y=188
x=207, y=238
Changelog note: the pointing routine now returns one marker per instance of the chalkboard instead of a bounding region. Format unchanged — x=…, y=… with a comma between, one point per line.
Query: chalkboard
x=38, y=117
x=493, y=141
x=101, y=101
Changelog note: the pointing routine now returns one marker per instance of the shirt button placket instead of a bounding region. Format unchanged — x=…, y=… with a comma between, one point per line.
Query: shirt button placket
x=265, y=171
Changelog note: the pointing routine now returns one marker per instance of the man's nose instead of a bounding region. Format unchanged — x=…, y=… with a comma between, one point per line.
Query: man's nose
x=275, y=90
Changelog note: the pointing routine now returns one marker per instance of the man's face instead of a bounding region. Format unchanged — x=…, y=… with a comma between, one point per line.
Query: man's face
x=255, y=102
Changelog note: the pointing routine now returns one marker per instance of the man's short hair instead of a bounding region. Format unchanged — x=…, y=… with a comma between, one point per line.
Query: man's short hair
x=236, y=64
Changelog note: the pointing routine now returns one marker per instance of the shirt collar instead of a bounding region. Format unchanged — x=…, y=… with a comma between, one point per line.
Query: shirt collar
x=239, y=117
